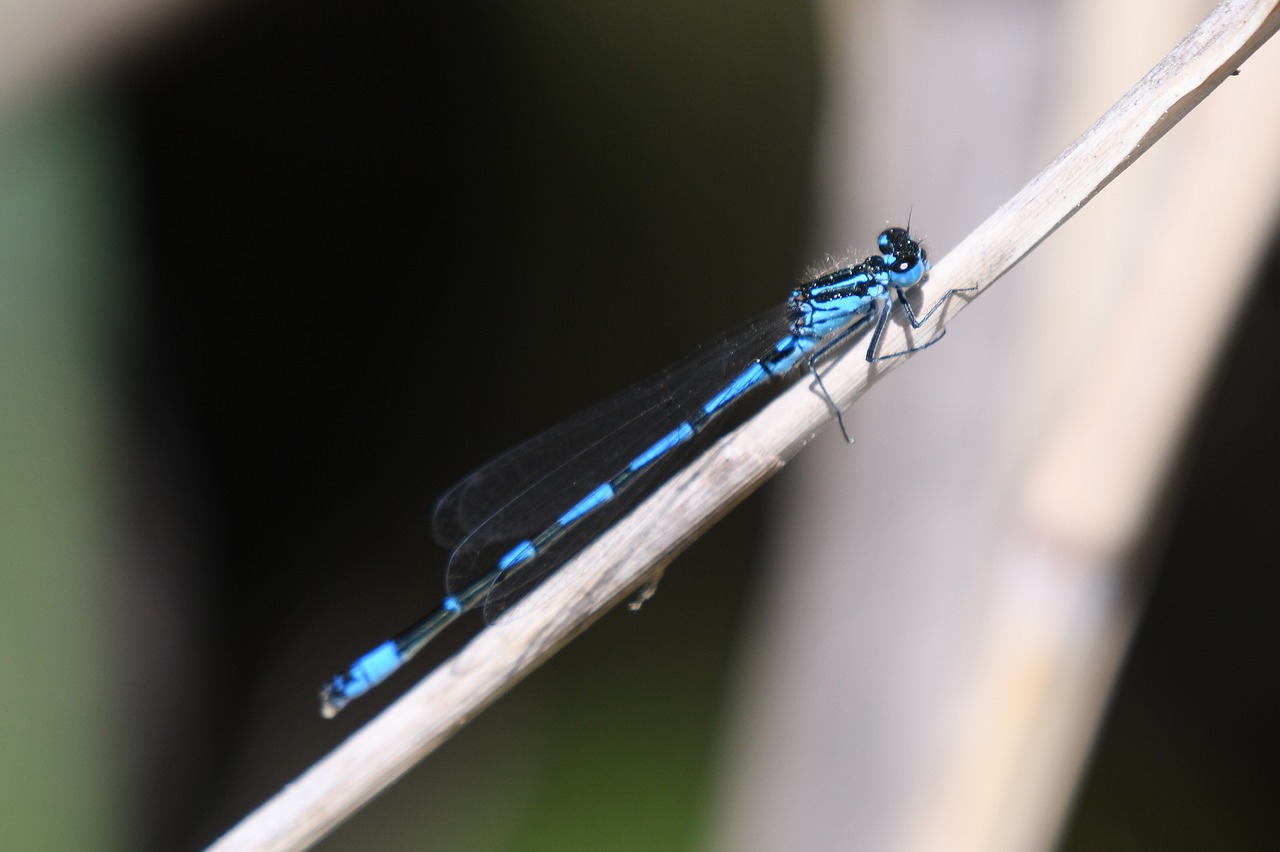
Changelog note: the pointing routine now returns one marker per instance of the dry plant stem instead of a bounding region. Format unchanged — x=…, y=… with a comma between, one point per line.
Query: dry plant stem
x=621, y=561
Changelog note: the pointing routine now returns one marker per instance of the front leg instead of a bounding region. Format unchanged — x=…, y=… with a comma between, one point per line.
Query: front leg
x=911, y=314
x=916, y=322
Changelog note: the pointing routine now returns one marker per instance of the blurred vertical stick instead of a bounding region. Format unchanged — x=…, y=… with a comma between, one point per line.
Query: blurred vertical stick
x=1180, y=242
x=978, y=540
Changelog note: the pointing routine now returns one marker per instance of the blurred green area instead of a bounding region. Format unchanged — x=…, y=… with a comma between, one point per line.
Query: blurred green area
x=63, y=287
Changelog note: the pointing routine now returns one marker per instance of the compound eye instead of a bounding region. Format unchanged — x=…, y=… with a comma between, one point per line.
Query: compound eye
x=896, y=242
x=890, y=239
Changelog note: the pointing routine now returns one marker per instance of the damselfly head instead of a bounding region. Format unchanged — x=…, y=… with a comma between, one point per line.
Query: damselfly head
x=905, y=258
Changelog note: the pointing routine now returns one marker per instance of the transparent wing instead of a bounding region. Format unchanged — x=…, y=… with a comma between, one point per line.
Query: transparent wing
x=522, y=492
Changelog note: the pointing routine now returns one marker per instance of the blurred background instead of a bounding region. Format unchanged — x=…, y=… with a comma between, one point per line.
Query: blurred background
x=274, y=275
